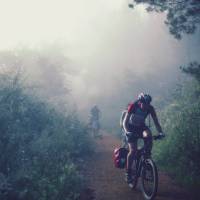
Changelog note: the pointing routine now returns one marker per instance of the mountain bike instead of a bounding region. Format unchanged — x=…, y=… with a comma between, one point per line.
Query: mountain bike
x=145, y=168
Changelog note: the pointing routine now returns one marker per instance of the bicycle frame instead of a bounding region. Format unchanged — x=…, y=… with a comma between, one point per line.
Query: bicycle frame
x=139, y=161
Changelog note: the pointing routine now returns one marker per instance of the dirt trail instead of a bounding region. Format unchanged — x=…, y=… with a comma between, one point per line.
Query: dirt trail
x=105, y=182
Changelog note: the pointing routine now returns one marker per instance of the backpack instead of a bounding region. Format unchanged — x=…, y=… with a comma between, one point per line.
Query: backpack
x=122, y=118
x=120, y=157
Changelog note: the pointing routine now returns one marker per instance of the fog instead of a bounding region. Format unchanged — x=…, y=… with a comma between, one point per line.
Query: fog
x=109, y=52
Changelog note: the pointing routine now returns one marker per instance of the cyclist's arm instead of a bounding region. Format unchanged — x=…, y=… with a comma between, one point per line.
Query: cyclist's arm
x=155, y=119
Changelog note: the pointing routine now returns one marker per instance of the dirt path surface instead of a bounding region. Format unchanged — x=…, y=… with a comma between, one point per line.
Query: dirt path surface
x=105, y=182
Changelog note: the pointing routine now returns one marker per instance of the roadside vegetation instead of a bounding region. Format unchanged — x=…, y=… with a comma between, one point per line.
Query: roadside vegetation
x=40, y=146
x=179, y=152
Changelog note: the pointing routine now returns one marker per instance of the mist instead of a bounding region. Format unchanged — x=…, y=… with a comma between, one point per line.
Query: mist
x=98, y=52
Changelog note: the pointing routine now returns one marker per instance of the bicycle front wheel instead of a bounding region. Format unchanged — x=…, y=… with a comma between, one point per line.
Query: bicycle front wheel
x=149, y=178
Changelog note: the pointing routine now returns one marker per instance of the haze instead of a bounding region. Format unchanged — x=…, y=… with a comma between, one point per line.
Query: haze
x=115, y=51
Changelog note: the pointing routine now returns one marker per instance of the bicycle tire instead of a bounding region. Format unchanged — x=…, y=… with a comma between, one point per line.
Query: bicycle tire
x=149, y=165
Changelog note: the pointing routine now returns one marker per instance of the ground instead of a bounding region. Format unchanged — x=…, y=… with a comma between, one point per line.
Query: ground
x=105, y=182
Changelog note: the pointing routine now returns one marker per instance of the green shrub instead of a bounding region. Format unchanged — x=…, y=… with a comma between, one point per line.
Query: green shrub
x=39, y=147
x=179, y=152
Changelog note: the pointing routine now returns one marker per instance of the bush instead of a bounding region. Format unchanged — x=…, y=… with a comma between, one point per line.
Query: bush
x=179, y=152
x=40, y=146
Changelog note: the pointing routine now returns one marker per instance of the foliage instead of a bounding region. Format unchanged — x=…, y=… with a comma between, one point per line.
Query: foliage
x=179, y=152
x=45, y=70
x=193, y=69
x=38, y=146
x=183, y=16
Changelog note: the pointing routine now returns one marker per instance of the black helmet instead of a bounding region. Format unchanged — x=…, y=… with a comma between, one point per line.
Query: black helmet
x=144, y=98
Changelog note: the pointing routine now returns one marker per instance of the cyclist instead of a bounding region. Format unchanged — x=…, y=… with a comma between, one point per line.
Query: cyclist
x=95, y=112
x=135, y=127
x=94, y=118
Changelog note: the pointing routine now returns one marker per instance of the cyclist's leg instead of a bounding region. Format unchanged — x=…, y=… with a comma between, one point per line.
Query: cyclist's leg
x=131, y=155
x=132, y=144
x=94, y=128
x=98, y=128
x=124, y=139
x=147, y=137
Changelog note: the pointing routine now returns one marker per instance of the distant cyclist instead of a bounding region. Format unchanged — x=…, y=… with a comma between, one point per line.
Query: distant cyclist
x=135, y=127
x=94, y=120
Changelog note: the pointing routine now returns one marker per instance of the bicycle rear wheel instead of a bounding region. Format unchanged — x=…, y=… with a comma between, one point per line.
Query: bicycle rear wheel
x=149, y=179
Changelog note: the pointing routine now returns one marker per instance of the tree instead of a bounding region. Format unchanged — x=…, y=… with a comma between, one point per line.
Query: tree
x=193, y=69
x=183, y=16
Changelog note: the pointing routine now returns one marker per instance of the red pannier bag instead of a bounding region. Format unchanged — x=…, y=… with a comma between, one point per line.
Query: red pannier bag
x=120, y=157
